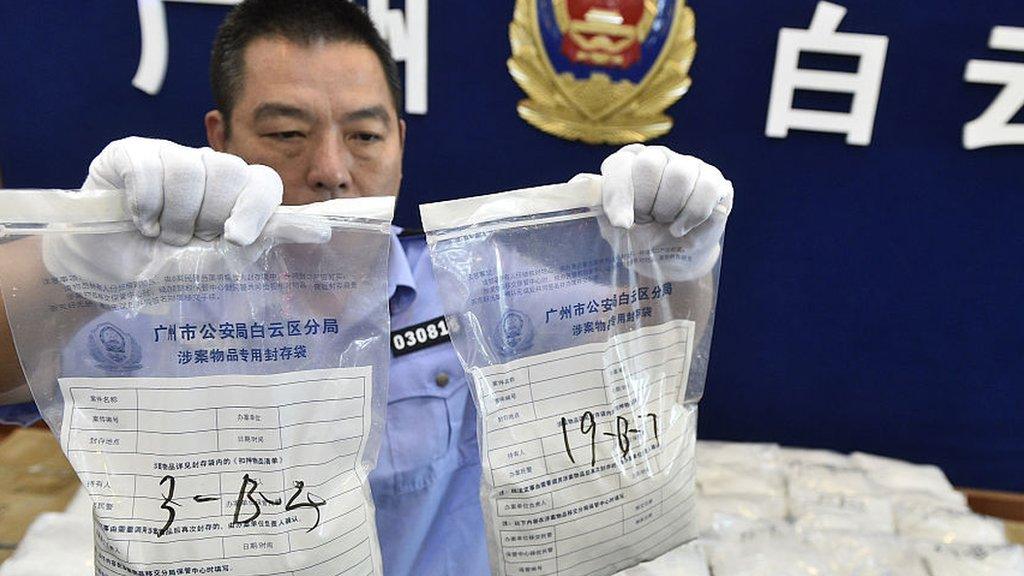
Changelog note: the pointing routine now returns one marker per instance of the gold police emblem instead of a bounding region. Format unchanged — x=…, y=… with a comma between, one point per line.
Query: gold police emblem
x=601, y=71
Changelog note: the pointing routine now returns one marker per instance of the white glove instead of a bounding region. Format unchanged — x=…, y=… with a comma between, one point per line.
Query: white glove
x=674, y=200
x=182, y=200
x=652, y=183
x=174, y=193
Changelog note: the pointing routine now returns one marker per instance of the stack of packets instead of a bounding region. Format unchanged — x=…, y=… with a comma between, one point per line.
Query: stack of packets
x=764, y=510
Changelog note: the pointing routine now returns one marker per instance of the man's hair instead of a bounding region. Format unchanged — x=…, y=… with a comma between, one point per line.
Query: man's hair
x=300, y=21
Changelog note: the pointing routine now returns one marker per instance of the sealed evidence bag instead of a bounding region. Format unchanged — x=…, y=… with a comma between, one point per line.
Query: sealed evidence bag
x=222, y=405
x=587, y=349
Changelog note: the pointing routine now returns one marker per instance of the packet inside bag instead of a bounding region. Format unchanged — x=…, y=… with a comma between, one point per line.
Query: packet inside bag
x=222, y=405
x=587, y=347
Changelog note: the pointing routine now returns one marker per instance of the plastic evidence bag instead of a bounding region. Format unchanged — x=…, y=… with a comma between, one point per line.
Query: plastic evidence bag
x=222, y=405
x=587, y=347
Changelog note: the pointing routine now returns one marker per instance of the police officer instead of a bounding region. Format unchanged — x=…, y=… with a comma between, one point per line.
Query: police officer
x=307, y=98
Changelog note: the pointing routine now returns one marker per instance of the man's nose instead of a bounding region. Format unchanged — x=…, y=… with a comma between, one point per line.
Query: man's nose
x=329, y=171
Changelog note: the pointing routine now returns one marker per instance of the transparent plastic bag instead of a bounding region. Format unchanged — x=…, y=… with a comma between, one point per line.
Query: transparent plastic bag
x=852, y=554
x=958, y=560
x=814, y=511
x=687, y=560
x=754, y=480
x=793, y=458
x=769, y=551
x=898, y=476
x=587, y=347
x=949, y=526
x=712, y=511
x=222, y=405
x=731, y=454
x=818, y=479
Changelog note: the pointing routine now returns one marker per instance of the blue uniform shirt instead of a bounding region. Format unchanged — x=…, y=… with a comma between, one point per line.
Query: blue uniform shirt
x=426, y=486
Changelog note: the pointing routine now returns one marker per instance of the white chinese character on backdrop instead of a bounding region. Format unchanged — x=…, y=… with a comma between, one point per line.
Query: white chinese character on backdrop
x=406, y=35
x=993, y=127
x=149, y=76
x=864, y=84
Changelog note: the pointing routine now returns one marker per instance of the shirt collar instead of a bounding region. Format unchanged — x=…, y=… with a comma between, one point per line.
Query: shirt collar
x=401, y=285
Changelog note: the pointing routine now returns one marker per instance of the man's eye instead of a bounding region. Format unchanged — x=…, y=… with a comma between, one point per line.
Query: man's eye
x=367, y=137
x=286, y=135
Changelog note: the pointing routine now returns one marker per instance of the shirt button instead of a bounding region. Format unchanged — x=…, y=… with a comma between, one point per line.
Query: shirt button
x=441, y=379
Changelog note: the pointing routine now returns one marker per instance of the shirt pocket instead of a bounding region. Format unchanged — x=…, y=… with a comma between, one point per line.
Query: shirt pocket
x=417, y=435
x=421, y=435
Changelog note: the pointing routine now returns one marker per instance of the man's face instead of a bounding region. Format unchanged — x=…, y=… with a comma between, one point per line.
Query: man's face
x=321, y=115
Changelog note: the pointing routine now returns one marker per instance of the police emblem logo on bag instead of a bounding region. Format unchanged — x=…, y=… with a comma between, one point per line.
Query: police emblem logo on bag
x=601, y=71
x=114, y=350
x=514, y=333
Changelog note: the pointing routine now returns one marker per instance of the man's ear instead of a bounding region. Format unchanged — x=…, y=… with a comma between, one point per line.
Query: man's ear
x=216, y=130
x=401, y=133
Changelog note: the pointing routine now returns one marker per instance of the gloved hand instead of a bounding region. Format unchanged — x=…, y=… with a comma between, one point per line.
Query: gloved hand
x=198, y=211
x=174, y=193
x=652, y=183
x=666, y=200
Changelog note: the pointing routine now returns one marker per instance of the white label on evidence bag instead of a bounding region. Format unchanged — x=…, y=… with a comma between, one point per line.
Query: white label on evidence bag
x=588, y=454
x=235, y=475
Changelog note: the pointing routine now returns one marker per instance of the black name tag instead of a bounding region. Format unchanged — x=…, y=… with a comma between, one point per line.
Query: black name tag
x=419, y=336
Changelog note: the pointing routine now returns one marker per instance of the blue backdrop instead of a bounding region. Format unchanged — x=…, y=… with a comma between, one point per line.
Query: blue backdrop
x=871, y=296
